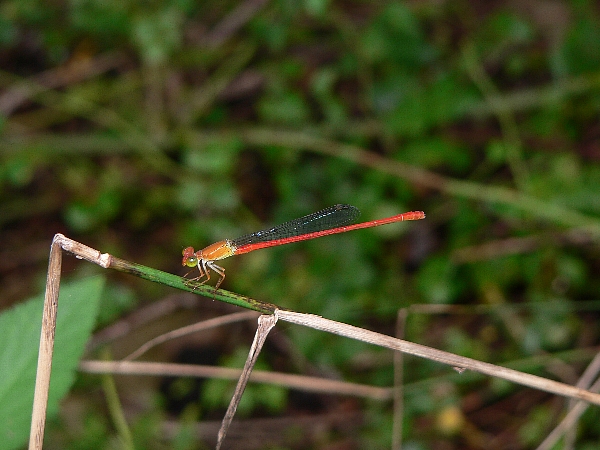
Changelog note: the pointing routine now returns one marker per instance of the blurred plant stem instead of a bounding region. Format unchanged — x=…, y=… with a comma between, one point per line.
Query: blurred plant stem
x=506, y=119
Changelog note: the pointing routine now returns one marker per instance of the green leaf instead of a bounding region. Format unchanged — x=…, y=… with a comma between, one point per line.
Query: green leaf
x=19, y=344
x=581, y=48
x=287, y=108
x=158, y=34
x=436, y=280
x=436, y=152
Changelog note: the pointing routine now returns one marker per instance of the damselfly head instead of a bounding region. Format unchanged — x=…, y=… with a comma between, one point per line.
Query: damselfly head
x=189, y=257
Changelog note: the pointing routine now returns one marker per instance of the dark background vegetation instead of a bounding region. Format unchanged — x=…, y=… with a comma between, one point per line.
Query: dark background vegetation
x=142, y=127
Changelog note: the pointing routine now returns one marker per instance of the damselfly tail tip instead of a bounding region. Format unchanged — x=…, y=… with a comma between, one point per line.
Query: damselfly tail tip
x=414, y=215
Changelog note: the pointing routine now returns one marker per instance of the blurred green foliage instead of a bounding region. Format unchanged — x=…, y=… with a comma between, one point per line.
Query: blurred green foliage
x=142, y=127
